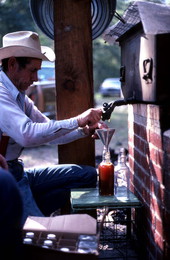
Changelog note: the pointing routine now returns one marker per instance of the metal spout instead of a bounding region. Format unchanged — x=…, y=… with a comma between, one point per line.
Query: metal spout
x=109, y=107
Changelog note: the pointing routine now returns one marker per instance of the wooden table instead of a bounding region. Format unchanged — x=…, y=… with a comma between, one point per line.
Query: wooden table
x=89, y=198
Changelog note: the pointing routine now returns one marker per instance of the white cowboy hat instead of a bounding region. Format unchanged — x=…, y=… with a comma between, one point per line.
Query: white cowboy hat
x=25, y=44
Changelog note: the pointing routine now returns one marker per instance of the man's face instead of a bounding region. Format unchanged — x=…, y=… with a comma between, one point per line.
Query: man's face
x=24, y=77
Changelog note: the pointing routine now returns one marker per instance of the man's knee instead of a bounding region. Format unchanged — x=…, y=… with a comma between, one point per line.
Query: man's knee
x=10, y=198
x=8, y=185
x=10, y=214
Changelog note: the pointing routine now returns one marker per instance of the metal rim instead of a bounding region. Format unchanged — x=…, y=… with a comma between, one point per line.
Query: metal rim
x=102, y=12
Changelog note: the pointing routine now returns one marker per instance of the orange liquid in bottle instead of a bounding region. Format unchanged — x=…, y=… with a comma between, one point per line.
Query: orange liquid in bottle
x=106, y=179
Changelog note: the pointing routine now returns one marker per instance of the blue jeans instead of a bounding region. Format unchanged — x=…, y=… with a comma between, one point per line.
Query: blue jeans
x=44, y=190
x=51, y=186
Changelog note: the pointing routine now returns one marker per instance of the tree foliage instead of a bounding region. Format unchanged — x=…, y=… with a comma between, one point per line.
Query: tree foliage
x=106, y=58
x=15, y=15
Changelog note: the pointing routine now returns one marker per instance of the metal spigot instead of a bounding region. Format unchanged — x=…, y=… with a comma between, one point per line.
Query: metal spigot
x=109, y=107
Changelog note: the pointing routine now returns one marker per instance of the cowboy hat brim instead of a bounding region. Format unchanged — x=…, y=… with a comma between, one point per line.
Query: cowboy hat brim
x=46, y=53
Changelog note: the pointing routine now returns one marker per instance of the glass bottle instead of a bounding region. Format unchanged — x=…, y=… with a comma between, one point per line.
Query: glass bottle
x=122, y=176
x=106, y=174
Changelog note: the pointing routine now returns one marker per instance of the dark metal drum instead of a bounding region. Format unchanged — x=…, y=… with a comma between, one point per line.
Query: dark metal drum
x=102, y=12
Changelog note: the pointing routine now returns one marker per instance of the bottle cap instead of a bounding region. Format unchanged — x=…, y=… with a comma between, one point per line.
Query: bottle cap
x=29, y=234
x=123, y=150
x=27, y=241
x=48, y=242
x=51, y=236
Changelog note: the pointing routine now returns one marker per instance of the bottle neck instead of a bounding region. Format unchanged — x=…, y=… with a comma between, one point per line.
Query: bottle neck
x=122, y=158
x=106, y=155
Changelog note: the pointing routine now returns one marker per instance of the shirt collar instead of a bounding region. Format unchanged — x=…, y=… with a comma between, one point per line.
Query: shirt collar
x=9, y=85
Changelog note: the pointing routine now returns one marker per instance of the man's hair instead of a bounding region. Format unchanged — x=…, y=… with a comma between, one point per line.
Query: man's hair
x=22, y=61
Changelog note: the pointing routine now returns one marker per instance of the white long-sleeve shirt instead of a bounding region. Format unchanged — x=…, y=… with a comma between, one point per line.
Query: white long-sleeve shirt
x=29, y=127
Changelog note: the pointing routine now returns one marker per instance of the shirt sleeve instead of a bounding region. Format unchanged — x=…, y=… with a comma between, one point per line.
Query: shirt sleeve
x=70, y=137
x=32, y=128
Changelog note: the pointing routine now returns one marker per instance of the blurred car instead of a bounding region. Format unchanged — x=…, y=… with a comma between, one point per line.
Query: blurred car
x=110, y=87
x=43, y=91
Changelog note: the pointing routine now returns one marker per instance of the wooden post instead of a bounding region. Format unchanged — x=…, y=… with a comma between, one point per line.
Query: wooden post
x=74, y=72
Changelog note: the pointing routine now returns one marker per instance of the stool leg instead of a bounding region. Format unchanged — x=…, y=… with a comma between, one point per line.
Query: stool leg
x=129, y=223
x=66, y=209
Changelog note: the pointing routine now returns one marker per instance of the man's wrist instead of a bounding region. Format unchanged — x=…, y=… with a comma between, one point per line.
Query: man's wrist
x=84, y=131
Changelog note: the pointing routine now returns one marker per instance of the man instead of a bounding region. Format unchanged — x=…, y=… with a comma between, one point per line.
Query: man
x=21, y=57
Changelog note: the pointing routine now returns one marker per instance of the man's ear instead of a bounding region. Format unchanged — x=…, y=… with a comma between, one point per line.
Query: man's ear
x=12, y=64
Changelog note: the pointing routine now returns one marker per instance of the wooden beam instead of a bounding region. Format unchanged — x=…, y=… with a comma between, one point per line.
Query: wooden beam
x=74, y=72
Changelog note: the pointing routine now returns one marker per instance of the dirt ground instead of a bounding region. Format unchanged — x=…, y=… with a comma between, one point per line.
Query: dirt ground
x=48, y=155
x=40, y=156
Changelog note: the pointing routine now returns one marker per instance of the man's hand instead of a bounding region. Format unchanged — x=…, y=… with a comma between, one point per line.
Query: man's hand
x=90, y=130
x=3, y=163
x=90, y=117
